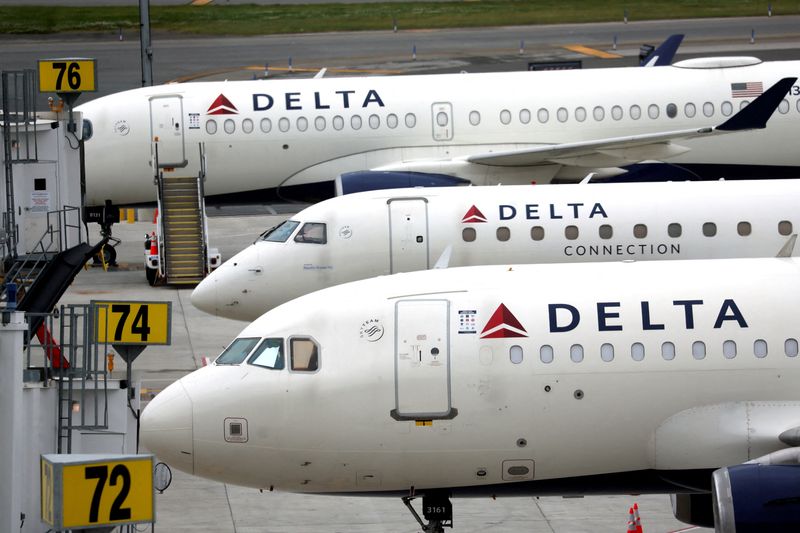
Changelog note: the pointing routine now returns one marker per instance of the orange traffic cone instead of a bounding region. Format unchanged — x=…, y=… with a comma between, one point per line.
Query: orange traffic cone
x=631, y=521
x=636, y=519
x=153, y=244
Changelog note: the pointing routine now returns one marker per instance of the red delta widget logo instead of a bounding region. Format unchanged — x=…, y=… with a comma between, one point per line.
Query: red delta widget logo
x=503, y=325
x=473, y=215
x=222, y=106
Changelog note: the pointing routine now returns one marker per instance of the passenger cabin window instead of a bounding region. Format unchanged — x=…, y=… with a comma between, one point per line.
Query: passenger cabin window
x=546, y=353
x=576, y=353
x=281, y=232
x=607, y=352
x=690, y=110
x=729, y=349
x=606, y=231
x=211, y=126
x=305, y=355
x=637, y=351
x=236, y=351
x=312, y=232
x=571, y=232
x=790, y=347
x=760, y=348
x=468, y=234
x=672, y=110
x=269, y=354
x=785, y=227
x=699, y=350
x=744, y=229
x=229, y=125
x=247, y=125
x=537, y=233
x=640, y=231
x=266, y=125
x=709, y=229
x=515, y=354
x=668, y=351
x=674, y=230
x=474, y=118
x=503, y=234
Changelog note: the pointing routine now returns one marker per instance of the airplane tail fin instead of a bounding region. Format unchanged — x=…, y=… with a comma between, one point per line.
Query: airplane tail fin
x=665, y=53
x=758, y=112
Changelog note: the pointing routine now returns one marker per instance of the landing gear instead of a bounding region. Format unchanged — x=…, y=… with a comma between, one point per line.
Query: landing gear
x=107, y=255
x=436, y=508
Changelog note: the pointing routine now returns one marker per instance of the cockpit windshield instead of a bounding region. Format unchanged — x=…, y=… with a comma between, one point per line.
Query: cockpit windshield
x=236, y=351
x=281, y=232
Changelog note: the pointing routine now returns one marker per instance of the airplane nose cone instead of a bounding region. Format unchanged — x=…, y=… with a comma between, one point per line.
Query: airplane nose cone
x=204, y=296
x=166, y=427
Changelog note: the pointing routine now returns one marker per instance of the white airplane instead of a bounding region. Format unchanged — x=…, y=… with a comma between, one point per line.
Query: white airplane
x=491, y=128
x=369, y=234
x=614, y=378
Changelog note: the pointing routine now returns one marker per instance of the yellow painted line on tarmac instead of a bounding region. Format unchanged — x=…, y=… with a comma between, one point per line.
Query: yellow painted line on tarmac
x=591, y=51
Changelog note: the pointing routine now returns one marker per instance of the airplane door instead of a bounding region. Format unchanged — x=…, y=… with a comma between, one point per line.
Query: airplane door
x=442, y=115
x=422, y=360
x=166, y=125
x=408, y=234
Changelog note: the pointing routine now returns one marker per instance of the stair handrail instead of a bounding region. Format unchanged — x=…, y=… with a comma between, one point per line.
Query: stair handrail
x=201, y=204
x=158, y=179
x=52, y=241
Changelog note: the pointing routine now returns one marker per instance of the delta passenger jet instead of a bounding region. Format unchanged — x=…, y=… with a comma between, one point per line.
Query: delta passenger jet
x=518, y=127
x=568, y=379
x=374, y=233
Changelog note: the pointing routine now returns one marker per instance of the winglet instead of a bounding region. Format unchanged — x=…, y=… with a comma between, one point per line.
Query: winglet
x=788, y=248
x=665, y=53
x=757, y=113
x=444, y=259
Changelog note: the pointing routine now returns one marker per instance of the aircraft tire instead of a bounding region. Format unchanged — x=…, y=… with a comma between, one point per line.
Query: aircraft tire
x=152, y=275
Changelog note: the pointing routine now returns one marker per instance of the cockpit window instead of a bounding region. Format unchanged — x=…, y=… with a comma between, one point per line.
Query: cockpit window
x=269, y=354
x=305, y=355
x=237, y=351
x=281, y=232
x=313, y=232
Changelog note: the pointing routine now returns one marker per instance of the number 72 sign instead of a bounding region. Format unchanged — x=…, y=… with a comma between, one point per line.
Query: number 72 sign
x=127, y=322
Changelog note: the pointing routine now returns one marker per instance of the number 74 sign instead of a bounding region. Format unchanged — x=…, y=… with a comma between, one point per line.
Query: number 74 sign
x=127, y=322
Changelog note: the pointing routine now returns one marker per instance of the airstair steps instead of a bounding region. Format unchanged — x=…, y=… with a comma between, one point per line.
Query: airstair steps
x=184, y=257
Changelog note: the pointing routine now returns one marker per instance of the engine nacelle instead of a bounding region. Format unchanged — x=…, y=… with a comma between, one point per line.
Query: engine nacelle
x=370, y=180
x=694, y=509
x=752, y=498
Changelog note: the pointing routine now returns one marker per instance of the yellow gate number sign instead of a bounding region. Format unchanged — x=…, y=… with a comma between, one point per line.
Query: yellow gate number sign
x=85, y=491
x=127, y=322
x=67, y=75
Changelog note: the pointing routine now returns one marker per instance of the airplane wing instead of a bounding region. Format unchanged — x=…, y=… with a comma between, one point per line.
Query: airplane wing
x=637, y=147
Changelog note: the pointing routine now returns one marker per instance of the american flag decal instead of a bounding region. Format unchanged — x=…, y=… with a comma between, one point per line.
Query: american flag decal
x=747, y=89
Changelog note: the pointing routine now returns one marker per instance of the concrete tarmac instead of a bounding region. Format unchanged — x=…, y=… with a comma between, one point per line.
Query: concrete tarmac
x=198, y=505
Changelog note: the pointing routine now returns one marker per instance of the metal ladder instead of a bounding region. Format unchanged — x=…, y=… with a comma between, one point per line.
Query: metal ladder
x=182, y=243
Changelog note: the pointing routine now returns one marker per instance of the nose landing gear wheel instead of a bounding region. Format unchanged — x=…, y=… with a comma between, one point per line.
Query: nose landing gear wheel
x=436, y=508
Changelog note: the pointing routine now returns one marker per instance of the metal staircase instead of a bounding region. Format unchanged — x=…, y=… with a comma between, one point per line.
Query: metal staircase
x=182, y=244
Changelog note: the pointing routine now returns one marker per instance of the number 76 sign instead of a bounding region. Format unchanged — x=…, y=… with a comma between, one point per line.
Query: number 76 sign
x=129, y=322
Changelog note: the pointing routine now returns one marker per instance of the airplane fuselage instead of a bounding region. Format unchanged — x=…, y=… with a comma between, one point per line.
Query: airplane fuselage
x=492, y=379
x=384, y=232
x=261, y=135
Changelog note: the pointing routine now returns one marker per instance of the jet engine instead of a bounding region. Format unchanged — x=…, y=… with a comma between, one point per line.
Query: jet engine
x=752, y=498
